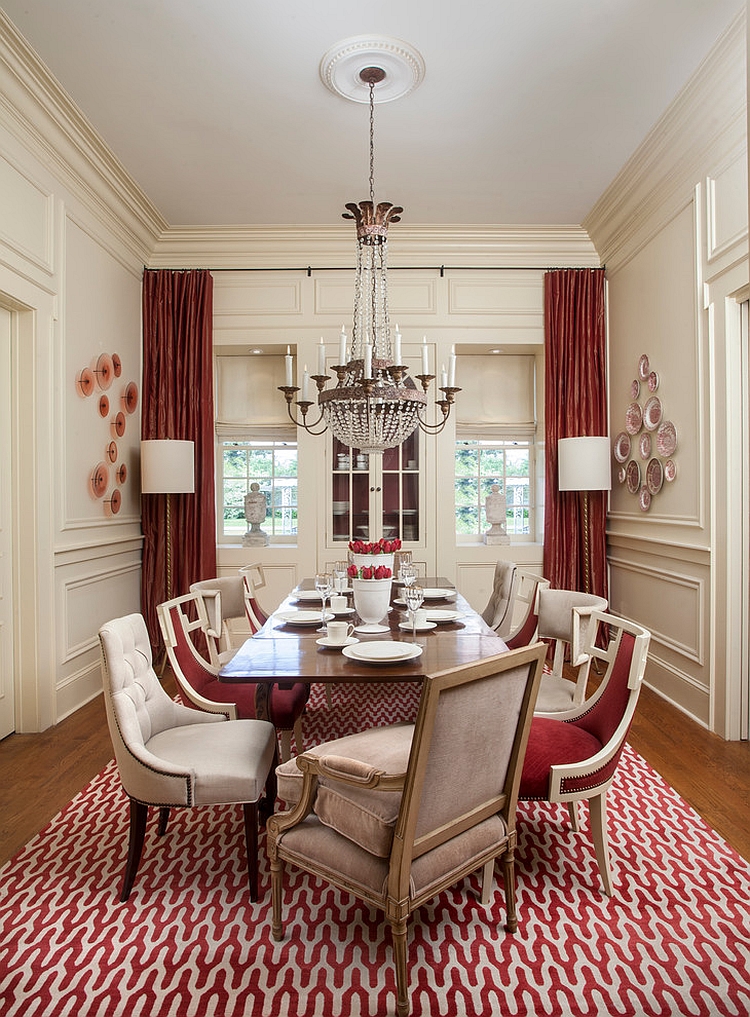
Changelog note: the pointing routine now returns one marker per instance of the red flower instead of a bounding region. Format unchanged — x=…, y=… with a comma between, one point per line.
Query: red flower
x=382, y=572
x=352, y=571
x=367, y=572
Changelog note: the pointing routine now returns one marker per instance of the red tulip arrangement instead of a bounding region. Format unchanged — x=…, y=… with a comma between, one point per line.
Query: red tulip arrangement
x=369, y=572
x=381, y=546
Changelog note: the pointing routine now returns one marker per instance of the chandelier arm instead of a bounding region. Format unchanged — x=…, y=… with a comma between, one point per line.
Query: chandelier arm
x=289, y=391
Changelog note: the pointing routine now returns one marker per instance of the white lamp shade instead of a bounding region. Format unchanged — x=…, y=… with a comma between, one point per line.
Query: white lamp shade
x=167, y=466
x=584, y=464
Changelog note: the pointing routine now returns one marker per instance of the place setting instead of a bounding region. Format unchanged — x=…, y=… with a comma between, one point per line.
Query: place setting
x=304, y=618
x=338, y=636
x=382, y=651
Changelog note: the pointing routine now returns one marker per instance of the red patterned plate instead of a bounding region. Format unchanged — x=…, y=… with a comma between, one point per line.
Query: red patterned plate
x=104, y=370
x=670, y=470
x=635, y=388
x=666, y=439
x=633, y=418
x=85, y=381
x=654, y=476
x=633, y=476
x=652, y=413
x=99, y=480
x=644, y=367
x=116, y=365
x=130, y=397
x=122, y=473
x=103, y=406
x=114, y=501
x=118, y=425
x=621, y=475
x=644, y=445
x=653, y=381
x=622, y=447
x=112, y=452
x=644, y=499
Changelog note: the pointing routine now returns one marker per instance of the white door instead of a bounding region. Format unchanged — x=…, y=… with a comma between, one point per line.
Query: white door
x=7, y=704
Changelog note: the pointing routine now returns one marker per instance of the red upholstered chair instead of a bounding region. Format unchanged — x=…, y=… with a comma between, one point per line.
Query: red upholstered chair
x=198, y=679
x=253, y=580
x=573, y=755
x=564, y=619
x=522, y=616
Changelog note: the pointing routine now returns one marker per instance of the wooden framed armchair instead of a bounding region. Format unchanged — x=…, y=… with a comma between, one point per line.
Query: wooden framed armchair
x=396, y=839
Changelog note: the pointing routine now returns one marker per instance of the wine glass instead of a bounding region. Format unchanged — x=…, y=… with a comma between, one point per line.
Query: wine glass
x=413, y=597
x=407, y=573
x=339, y=576
x=324, y=585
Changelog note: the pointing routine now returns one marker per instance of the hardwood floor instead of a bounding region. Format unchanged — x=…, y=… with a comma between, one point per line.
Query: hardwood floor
x=42, y=772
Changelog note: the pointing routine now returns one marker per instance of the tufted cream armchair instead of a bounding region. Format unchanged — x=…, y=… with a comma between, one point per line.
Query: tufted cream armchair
x=171, y=756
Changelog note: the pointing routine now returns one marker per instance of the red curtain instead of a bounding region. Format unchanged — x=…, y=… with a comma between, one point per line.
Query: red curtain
x=177, y=402
x=575, y=405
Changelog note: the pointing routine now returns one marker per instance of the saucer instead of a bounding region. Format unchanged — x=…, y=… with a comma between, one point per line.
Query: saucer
x=343, y=611
x=325, y=641
x=406, y=626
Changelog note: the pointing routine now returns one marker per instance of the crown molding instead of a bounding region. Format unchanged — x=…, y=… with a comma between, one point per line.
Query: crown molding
x=329, y=246
x=706, y=120
x=44, y=119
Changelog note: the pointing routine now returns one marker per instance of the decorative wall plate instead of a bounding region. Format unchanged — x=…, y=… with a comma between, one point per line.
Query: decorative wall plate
x=653, y=381
x=130, y=397
x=122, y=473
x=112, y=452
x=104, y=370
x=116, y=365
x=633, y=476
x=644, y=445
x=85, y=382
x=118, y=425
x=643, y=367
x=654, y=476
x=644, y=499
x=103, y=405
x=670, y=470
x=652, y=413
x=621, y=475
x=635, y=388
x=114, y=501
x=666, y=439
x=99, y=480
x=633, y=418
x=622, y=447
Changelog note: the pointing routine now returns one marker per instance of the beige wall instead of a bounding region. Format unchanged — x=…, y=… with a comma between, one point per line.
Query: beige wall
x=672, y=230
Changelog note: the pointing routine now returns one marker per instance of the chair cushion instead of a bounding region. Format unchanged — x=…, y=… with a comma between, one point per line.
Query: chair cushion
x=367, y=818
x=229, y=761
x=552, y=743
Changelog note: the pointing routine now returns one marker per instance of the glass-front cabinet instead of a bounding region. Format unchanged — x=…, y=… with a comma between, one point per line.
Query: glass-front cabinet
x=377, y=495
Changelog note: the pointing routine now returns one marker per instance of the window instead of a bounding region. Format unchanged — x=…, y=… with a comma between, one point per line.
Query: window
x=479, y=465
x=273, y=466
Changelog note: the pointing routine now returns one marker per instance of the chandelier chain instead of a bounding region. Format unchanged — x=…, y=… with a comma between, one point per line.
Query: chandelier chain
x=372, y=143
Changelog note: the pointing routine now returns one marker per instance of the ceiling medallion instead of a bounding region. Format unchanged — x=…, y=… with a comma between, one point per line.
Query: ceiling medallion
x=341, y=68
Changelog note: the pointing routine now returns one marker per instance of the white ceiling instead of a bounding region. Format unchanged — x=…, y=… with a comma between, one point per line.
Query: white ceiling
x=527, y=111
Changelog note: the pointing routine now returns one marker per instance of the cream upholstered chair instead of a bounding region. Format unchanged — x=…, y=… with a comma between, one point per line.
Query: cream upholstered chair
x=253, y=579
x=224, y=601
x=499, y=603
x=564, y=619
x=522, y=617
x=171, y=756
x=198, y=678
x=574, y=755
x=399, y=819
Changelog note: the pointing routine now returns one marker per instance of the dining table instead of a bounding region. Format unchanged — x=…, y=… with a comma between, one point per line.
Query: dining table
x=284, y=652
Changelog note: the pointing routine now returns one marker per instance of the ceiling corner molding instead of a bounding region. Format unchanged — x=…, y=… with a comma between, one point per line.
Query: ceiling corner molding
x=45, y=120
x=703, y=123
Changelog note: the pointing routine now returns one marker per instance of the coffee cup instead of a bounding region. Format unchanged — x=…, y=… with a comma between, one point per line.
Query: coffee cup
x=338, y=603
x=420, y=618
x=339, y=632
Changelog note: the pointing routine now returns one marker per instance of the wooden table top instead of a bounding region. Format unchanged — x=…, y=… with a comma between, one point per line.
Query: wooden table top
x=282, y=652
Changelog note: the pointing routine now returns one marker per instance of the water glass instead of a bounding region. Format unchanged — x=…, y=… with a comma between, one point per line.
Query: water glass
x=324, y=585
x=413, y=598
x=339, y=576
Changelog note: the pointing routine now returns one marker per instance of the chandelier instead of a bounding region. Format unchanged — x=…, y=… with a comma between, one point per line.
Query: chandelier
x=375, y=404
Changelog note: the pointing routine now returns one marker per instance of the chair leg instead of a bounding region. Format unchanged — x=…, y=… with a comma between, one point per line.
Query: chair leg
x=598, y=815
x=285, y=737
x=277, y=881
x=268, y=802
x=488, y=873
x=509, y=882
x=250, y=810
x=163, y=820
x=298, y=736
x=327, y=687
x=573, y=813
x=138, y=816
x=398, y=932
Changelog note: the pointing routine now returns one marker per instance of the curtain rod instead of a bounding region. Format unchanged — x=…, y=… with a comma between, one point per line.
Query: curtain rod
x=442, y=269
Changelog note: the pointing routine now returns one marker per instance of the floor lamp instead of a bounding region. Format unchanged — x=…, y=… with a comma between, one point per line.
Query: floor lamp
x=583, y=464
x=168, y=467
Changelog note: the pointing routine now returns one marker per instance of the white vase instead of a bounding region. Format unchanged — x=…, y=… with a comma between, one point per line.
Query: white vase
x=372, y=598
x=373, y=560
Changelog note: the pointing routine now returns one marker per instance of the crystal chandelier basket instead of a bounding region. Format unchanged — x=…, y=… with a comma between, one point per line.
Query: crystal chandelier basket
x=375, y=404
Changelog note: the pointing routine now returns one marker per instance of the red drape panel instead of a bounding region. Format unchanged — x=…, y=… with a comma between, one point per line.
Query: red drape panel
x=575, y=405
x=177, y=402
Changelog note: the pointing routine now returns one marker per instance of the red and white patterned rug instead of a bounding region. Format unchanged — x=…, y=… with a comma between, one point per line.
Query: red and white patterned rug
x=188, y=943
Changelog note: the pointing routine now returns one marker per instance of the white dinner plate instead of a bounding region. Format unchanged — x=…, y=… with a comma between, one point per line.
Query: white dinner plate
x=304, y=617
x=443, y=616
x=406, y=626
x=305, y=595
x=435, y=593
x=325, y=641
x=382, y=652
